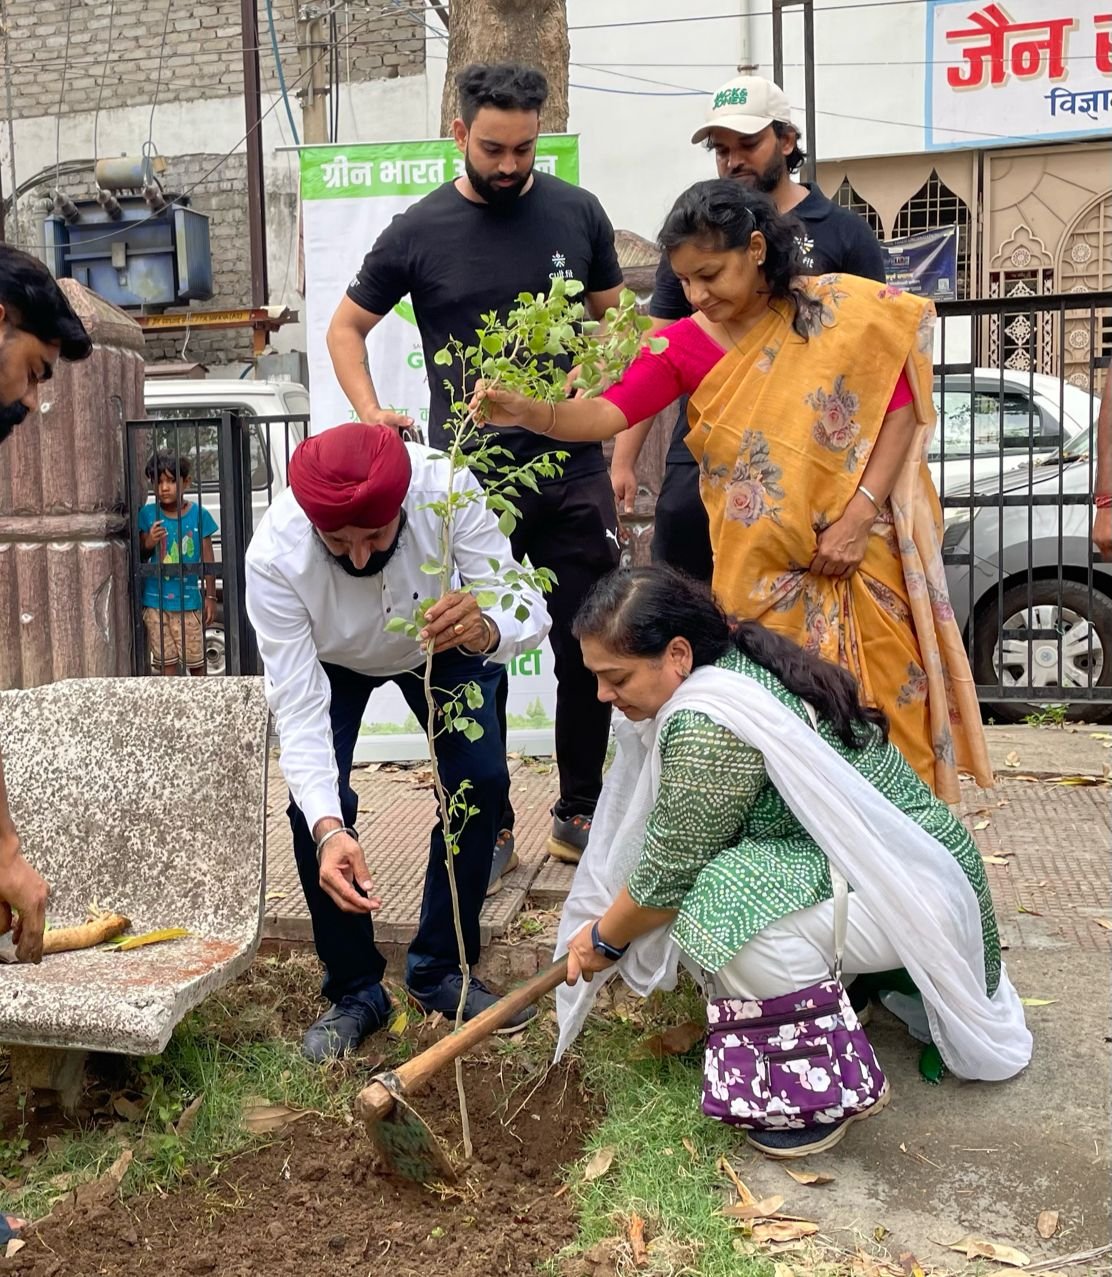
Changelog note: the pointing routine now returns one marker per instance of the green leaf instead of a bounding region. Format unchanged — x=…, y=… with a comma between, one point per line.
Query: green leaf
x=507, y=521
x=443, y=358
x=521, y=612
x=474, y=695
x=430, y=567
x=486, y=598
x=397, y=625
x=658, y=344
x=473, y=731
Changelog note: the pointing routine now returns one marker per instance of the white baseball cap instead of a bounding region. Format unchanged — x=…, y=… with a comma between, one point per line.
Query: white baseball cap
x=746, y=105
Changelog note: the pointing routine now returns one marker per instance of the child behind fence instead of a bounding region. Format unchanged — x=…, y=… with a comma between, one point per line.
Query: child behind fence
x=177, y=531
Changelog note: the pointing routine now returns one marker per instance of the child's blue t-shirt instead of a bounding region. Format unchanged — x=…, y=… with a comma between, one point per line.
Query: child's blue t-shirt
x=184, y=534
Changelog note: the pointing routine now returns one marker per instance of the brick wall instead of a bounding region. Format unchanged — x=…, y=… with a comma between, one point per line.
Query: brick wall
x=202, y=55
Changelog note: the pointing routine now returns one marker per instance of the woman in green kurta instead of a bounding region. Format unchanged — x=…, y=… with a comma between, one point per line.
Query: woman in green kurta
x=725, y=861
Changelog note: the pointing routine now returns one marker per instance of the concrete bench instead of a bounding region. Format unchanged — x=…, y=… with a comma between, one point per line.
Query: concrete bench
x=145, y=797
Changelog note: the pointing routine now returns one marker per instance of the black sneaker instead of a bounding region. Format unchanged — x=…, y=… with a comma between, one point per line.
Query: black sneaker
x=444, y=997
x=505, y=861
x=345, y=1024
x=784, y=1145
x=569, y=838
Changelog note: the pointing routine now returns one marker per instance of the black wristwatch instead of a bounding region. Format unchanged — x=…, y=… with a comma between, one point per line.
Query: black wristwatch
x=601, y=947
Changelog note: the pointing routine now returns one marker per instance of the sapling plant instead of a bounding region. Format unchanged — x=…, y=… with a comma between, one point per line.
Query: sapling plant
x=529, y=352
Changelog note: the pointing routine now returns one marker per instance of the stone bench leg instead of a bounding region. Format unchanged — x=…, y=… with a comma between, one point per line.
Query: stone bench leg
x=49, y=1069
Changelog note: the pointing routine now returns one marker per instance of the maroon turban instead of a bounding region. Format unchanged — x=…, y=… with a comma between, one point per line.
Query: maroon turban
x=354, y=475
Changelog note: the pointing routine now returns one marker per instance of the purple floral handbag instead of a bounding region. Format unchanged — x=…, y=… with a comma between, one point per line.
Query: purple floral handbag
x=800, y=1059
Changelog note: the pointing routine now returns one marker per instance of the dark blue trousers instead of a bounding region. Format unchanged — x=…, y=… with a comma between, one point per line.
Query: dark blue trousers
x=345, y=942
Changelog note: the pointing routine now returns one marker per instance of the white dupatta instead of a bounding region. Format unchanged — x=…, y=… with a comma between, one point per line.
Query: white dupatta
x=906, y=876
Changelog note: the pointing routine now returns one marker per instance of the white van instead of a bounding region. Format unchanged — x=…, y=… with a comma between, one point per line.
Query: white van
x=271, y=442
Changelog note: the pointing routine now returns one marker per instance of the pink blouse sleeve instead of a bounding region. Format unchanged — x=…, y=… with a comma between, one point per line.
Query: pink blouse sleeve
x=652, y=382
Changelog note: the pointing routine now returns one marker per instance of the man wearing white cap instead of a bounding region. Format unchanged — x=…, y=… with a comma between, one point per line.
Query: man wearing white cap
x=750, y=131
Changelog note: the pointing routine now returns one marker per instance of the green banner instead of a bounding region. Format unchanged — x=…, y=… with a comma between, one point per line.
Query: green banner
x=410, y=168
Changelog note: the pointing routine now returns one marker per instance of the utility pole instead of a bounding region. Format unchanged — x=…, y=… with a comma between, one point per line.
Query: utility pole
x=778, y=7
x=312, y=45
x=256, y=186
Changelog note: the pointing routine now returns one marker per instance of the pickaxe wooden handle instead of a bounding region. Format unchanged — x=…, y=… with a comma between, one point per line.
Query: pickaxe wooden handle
x=375, y=1100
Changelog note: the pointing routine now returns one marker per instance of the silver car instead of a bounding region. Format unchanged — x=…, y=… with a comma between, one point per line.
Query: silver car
x=1033, y=602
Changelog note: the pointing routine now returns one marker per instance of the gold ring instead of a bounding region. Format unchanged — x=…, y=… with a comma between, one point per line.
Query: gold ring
x=459, y=628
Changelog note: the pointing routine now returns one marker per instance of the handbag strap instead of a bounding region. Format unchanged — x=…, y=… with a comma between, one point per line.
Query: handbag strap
x=840, y=885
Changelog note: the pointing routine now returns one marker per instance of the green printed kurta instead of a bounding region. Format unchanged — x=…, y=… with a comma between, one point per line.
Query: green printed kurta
x=724, y=848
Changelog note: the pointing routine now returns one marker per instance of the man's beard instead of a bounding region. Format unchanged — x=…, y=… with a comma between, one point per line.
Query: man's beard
x=10, y=417
x=767, y=180
x=378, y=560
x=497, y=196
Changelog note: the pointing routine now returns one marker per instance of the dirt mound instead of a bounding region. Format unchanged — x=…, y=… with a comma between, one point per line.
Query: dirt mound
x=316, y=1201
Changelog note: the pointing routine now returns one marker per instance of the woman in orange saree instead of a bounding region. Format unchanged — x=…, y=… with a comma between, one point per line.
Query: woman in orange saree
x=810, y=416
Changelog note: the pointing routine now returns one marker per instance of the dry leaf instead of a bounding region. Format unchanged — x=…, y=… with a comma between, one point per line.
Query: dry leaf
x=101, y=1190
x=399, y=1024
x=130, y=1110
x=677, y=1040
x=993, y=860
x=784, y=1230
x=1038, y=1002
x=910, y=1265
x=978, y=1248
x=1012, y=760
x=981, y=824
x=744, y=1196
x=764, y=1209
x=600, y=1163
x=1103, y=922
x=276, y=895
x=14, y=1246
x=1047, y=1224
x=1033, y=912
x=152, y=937
x=186, y=1122
x=692, y=1151
x=260, y=1116
x=1077, y=780
x=880, y=1233
x=637, y=1241
x=810, y=1177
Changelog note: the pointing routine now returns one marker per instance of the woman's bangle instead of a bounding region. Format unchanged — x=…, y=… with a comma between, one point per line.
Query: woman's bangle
x=866, y=493
x=1102, y=500
x=552, y=423
x=342, y=829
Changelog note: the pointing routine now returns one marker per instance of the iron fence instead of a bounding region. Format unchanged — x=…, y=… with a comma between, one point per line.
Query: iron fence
x=1013, y=459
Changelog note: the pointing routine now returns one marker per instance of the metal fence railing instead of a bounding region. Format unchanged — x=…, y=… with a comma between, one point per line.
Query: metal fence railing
x=1013, y=459
x=1014, y=462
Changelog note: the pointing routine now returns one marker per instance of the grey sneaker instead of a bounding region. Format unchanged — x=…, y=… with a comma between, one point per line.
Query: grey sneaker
x=569, y=838
x=505, y=861
x=345, y=1024
x=444, y=997
x=785, y=1145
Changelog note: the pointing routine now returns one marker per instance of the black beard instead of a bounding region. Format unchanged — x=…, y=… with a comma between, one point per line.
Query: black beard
x=497, y=196
x=769, y=180
x=10, y=417
x=378, y=560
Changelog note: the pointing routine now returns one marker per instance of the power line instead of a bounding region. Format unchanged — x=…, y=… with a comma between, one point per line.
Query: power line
x=158, y=76
x=103, y=74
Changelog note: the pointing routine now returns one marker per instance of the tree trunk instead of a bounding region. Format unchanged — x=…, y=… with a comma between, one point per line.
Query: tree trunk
x=531, y=31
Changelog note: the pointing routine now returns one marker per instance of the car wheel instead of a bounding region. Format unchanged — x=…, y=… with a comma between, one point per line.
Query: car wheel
x=1083, y=646
x=215, y=663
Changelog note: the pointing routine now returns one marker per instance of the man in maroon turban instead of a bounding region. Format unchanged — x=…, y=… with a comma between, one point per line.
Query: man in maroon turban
x=336, y=558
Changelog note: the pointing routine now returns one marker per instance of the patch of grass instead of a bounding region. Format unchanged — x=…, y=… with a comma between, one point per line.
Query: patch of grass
x=652, y=1108
x=220, y=1052
x=1048, y=716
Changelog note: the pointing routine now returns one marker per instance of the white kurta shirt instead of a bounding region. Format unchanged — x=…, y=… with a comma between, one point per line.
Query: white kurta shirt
x=305, y=609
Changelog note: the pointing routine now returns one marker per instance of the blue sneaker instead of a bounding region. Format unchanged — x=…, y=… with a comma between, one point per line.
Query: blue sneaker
x=444, y=997
x=345, y=1024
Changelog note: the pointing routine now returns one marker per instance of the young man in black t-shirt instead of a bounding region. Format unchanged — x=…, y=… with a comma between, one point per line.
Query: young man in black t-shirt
x=750, y=131
x=468, y=248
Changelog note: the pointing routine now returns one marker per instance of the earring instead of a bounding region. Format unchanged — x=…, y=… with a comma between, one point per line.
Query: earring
x=685, y=674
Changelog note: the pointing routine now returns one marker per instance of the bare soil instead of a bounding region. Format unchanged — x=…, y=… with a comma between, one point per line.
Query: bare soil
x=315, y=1201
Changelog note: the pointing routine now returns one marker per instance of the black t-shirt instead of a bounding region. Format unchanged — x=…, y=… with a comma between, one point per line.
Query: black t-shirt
x=830, y=238
x=458, y=260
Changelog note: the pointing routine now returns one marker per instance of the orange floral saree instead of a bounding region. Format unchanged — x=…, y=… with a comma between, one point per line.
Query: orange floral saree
x=782, y=429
